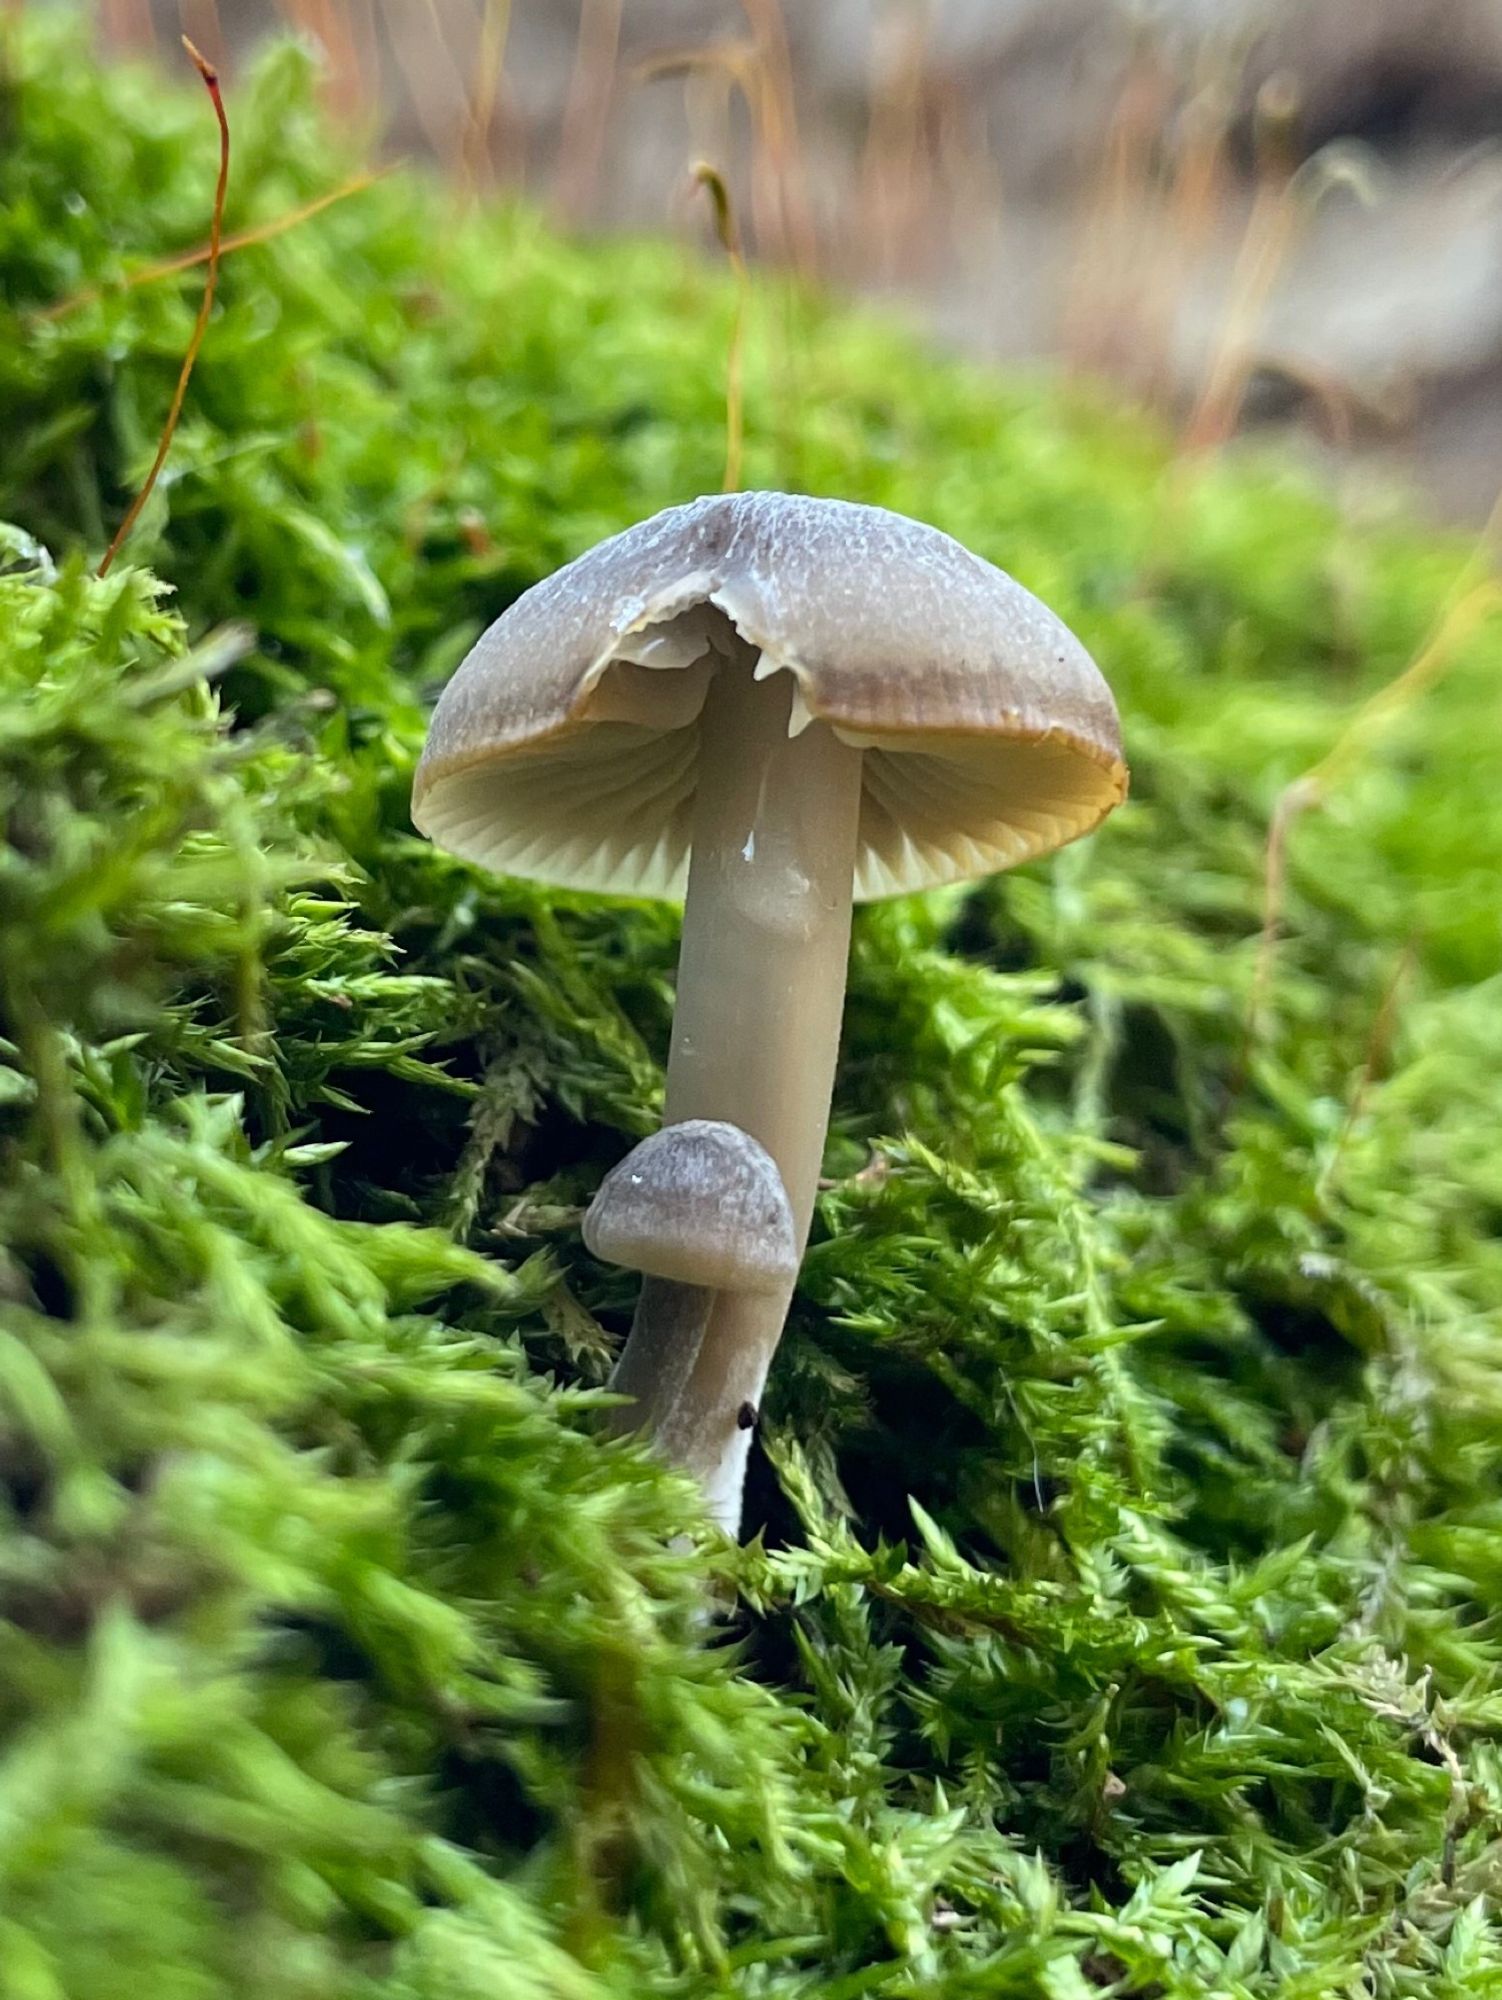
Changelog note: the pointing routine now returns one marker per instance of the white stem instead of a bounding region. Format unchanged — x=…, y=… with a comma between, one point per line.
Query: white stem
x=761, y=989
x=658, y=1359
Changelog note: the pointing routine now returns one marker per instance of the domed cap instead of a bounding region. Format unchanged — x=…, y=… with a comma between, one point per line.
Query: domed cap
x=564, y=748
x=701, y=1202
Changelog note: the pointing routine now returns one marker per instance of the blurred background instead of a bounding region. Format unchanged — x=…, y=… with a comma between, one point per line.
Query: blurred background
x=1247, y=213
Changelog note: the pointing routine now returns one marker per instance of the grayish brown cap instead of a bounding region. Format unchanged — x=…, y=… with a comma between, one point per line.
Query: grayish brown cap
x=564, y=747
x=701, y=1202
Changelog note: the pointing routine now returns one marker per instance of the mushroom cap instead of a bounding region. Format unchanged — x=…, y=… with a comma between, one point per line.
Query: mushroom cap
x=564, y=747
x=702, y=1202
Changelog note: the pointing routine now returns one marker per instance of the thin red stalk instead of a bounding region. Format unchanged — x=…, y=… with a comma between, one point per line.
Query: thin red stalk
x=713, y=183
x=200, y=326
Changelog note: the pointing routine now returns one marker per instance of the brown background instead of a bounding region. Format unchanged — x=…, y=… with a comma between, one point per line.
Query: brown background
x=1248, y=211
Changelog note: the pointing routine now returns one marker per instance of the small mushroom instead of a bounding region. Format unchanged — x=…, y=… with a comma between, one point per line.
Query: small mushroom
x=700, y=1210
x=777, y=705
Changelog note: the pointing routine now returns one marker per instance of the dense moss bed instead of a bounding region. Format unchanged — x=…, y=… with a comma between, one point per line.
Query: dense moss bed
x=1122, y=1610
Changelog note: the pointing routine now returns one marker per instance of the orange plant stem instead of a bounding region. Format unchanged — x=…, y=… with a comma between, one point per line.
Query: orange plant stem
x=200, y=326
x=713, y=183
x=263, y=232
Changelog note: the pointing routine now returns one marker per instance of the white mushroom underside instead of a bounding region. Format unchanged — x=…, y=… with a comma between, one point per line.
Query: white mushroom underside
x=610, y=810
x=609, y=807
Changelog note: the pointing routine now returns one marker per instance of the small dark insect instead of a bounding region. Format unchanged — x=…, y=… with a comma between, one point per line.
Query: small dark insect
x=746, y=1416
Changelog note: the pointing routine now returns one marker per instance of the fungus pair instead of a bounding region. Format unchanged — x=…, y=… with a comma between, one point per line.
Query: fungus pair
x=772, y=707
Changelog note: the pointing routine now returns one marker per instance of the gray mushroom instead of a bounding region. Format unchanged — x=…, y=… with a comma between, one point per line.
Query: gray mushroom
x=700, y=1210
x=773, y=705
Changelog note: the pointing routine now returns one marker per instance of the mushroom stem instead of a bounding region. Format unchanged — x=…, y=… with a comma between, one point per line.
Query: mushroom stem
x=658, y=1358
x=761, y=987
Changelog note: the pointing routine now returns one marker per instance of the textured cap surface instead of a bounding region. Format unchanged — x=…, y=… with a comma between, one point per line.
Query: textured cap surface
x=564, y=748
x=701, y=1202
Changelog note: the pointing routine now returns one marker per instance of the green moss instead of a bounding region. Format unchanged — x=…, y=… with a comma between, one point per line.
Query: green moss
x=1124, y=1613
